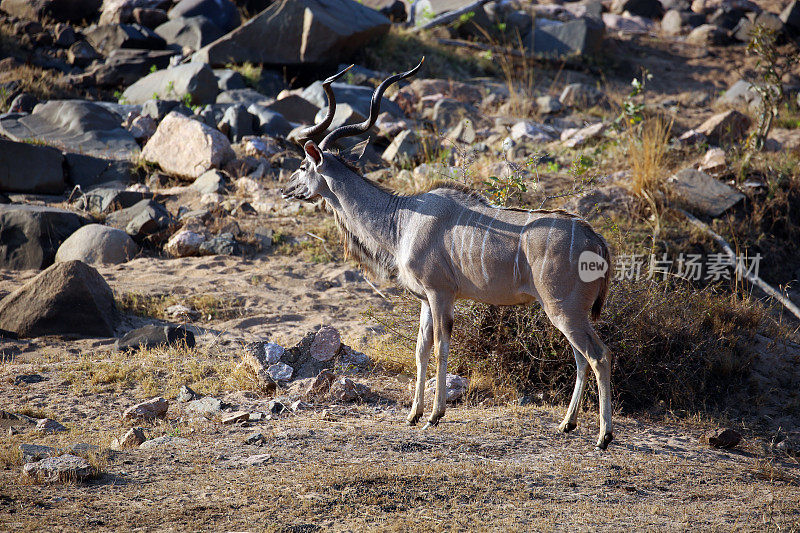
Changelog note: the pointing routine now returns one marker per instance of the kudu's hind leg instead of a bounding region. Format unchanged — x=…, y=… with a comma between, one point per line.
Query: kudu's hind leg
x=582, y=336
x=571, y=418
x=423, y=354
x=442, y=311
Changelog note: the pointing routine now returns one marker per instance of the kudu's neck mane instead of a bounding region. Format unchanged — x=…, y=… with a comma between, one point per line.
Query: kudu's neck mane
x=367, y=218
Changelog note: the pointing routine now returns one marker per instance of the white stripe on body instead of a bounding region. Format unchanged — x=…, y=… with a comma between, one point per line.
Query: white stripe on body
x=483, y=249
x=519, y=247
x=546, y=249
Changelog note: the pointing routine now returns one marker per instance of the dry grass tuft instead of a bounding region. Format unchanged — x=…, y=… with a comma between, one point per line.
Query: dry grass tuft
x=210, y=307
x=647, y=151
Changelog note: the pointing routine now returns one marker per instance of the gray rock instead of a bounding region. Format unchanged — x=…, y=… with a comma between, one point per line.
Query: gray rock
x=106, y=200
x=222, y=13
x=702, y=193
x=244, y=96
x=186, y=394
x=228, y=80
x=187, y=147
x=122, y=10
x=97, y=244
x=256, y=439
x=153, y=336
x=455, y=385
x=149, y=17
x=76, y=126
x=158, y=109
x=90, y=172
x=791, y=17
x=193, y=80
x=68, y=298
x=532, y=132
x=724, y=128
x=673, y=21
x=741, y=94
x=583, y=36
x=326, y=344
x=358, y=97
x=211, y=182
x=48, y=425
x=548, y=104
x=236, y=123
x=81, y=54
x=463, y=132
x=280, y=372
x=33, y=233
x=222, y=244
x=204, y=407
x=298, y=109
x=107, y=38
x=643, y=8
x=347, y=390
x=63, y=468
x=144, y=218
x=52, y=10
x=338, y=27
x=708, y=35
x=30, y=168
x=147, y=410
x=133, y=438
x=580, y=95
x=403, y=149
x=126, y=66
x=193, y=32
x=36, y=452
x=722, y=438
x=23, y=103
x=344, y=116
x=448, y=112
x=166, y=440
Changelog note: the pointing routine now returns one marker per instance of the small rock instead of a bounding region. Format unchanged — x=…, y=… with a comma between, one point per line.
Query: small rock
x=48, y=425
x=580, y=95
x=166, y=440
x=347, y=390
x=727, y=127
x=186, y=394
x=149, y=410
x=531, y=132
x=280, y=372
x=204, y=407
x=131, y=439
x=714, y=161
x=404, y=149
x=184, y=243
x=210, y=182
x=455, y=386
x=63, y=468
x=326, y=344
x=222, y=244
x=256, y=439
x=153, y=336
x=299, y=405
x=28, y=379
x=573, y=138
x=548, y=104
x=722, y=438
x=236, y=416
x=276, y=407
x=703, y=193
x=253, y=460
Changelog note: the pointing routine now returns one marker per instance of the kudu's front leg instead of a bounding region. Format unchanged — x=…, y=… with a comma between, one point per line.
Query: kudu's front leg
x=424, y=343
x=442, y=311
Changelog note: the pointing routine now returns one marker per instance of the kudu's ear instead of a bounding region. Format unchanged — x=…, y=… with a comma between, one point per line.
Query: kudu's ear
x=313, y=152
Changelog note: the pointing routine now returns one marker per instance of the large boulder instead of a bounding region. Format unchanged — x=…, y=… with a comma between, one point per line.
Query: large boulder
x=30, y=168
x=725, y=128
x=31, y=234
x=52, y=10
x=142, y=219
x=89, y=171
x=582, y=36
x=95, y=243
x=186, y=147
x=194, y=79
x=193, y=32
x=75, y=126
x=111, y=37
x=644, y=8
x=69, y=298
x=704, y=194
x=299, y=32
x=358, y=97
x=222, y=13
x=126, y=65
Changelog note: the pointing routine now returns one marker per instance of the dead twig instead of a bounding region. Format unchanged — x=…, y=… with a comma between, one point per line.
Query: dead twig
x=752, y=278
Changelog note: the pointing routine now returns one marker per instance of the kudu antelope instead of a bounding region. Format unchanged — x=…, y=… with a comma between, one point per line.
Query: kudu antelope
x=449, y=243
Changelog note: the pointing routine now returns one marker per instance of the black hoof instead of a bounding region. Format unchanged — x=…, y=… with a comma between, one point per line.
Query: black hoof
x=413, y=421
x=607, y=438
x=566, y=428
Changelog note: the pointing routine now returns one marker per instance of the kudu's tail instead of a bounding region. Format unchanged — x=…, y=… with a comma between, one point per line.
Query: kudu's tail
x=601, y=296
